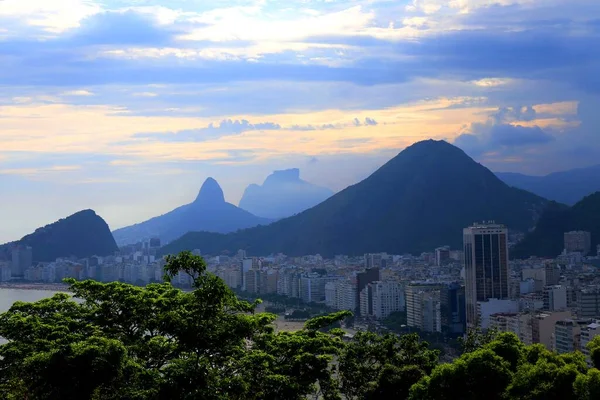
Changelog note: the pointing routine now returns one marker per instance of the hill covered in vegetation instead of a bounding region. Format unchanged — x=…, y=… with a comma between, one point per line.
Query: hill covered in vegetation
x=417, y=201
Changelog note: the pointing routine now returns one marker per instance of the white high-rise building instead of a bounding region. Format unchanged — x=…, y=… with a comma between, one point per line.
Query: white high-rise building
x=423, y=307
x=486, y=267
x=386, y=298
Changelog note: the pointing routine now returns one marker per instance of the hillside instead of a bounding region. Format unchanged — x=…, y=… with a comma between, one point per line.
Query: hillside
x=83, y=234
x=209, y=212
x=283, y=194
x=420, y=199
x=567, y=187
x=547, y=240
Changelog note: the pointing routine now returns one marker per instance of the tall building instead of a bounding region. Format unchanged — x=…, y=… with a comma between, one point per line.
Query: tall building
x=423, y=306
x=552, y=272
x=312, y=288
x=486, y=266
x=578, y=242
x=362, y=280
x=453, y=308
x=588, y=302
x=555, y=298
x=380, y=299
x=22, y=258
x=442, y=255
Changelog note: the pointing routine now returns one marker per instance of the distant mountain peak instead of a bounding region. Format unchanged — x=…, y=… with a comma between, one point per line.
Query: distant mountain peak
x=291, y=175
x=417, y=201
x=210, y=193
x=282, y=194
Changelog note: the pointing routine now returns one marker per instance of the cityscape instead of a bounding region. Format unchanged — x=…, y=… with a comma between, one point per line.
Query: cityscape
x=554, y=302
x=300, y=200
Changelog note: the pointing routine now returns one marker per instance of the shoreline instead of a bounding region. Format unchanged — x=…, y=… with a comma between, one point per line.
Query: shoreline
x=51, y=287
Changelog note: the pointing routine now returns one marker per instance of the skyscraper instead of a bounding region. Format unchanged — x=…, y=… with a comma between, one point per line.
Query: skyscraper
x=486, y=266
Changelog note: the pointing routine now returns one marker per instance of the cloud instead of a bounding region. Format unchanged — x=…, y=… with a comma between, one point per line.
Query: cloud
x=80, y=92
x=224, y=128
x=367, y=122
x=498, y=136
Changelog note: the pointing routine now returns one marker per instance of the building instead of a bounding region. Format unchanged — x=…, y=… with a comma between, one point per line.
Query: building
x=380, y=299
x=555, y=298
x=22, y=259
x=567, y=335
x=453, y=308
x=542, y=327
x=486, y=267
x=552, y=272
x=312, y=288
x=346, y=295
x=5, y=271
x=502, y=321
x=424, y=306
x=485, y=309
x=362, y=280
x=578, y=242
x=588, y=333
x=442, y=255
x=588, y=302
x=537, y=274
x=376, y=260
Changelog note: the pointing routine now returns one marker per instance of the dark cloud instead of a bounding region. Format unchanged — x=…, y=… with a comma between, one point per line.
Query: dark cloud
x=492, y=137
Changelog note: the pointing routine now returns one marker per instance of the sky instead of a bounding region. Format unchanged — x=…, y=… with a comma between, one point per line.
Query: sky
x=127, y=106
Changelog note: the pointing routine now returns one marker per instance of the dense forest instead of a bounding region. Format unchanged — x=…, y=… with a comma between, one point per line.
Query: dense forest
x=158, y=342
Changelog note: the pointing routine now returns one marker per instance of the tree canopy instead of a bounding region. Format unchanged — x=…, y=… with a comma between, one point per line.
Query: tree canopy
x=120, y=341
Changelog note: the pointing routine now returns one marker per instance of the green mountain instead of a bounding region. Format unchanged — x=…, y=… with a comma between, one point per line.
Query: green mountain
x=419, y=200
x=547, y=240
x=83, y=234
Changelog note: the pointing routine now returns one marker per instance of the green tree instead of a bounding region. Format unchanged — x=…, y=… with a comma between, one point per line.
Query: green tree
x=480, y=374
x=374, y=365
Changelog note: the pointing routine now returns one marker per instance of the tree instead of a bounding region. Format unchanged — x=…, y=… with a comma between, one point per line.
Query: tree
x=480, y=374
x=372, y=364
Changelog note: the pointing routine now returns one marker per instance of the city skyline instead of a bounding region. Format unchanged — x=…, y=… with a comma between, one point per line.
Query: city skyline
x=119, y=105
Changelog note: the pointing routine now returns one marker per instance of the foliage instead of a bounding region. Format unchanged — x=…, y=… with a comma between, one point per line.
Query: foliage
x=126, y=342
x=375, y=365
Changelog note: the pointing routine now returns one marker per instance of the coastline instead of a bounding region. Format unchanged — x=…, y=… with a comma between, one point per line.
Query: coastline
x=53, y=287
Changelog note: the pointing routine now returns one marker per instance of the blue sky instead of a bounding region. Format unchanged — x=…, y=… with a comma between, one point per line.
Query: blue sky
x=127, y=106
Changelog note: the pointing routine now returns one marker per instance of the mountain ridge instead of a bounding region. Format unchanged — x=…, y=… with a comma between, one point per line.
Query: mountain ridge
x=567, y=187
x=83, y=234
x=547, y=239
x=282, y=194
x=414, y=203
x=209, y=211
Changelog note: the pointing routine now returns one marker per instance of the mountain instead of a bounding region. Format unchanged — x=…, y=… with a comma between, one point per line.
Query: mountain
x=566, y=187
x=282, y=194
x=83, y=234
x=419, y=200
x=547, y=240
x=209, y=212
